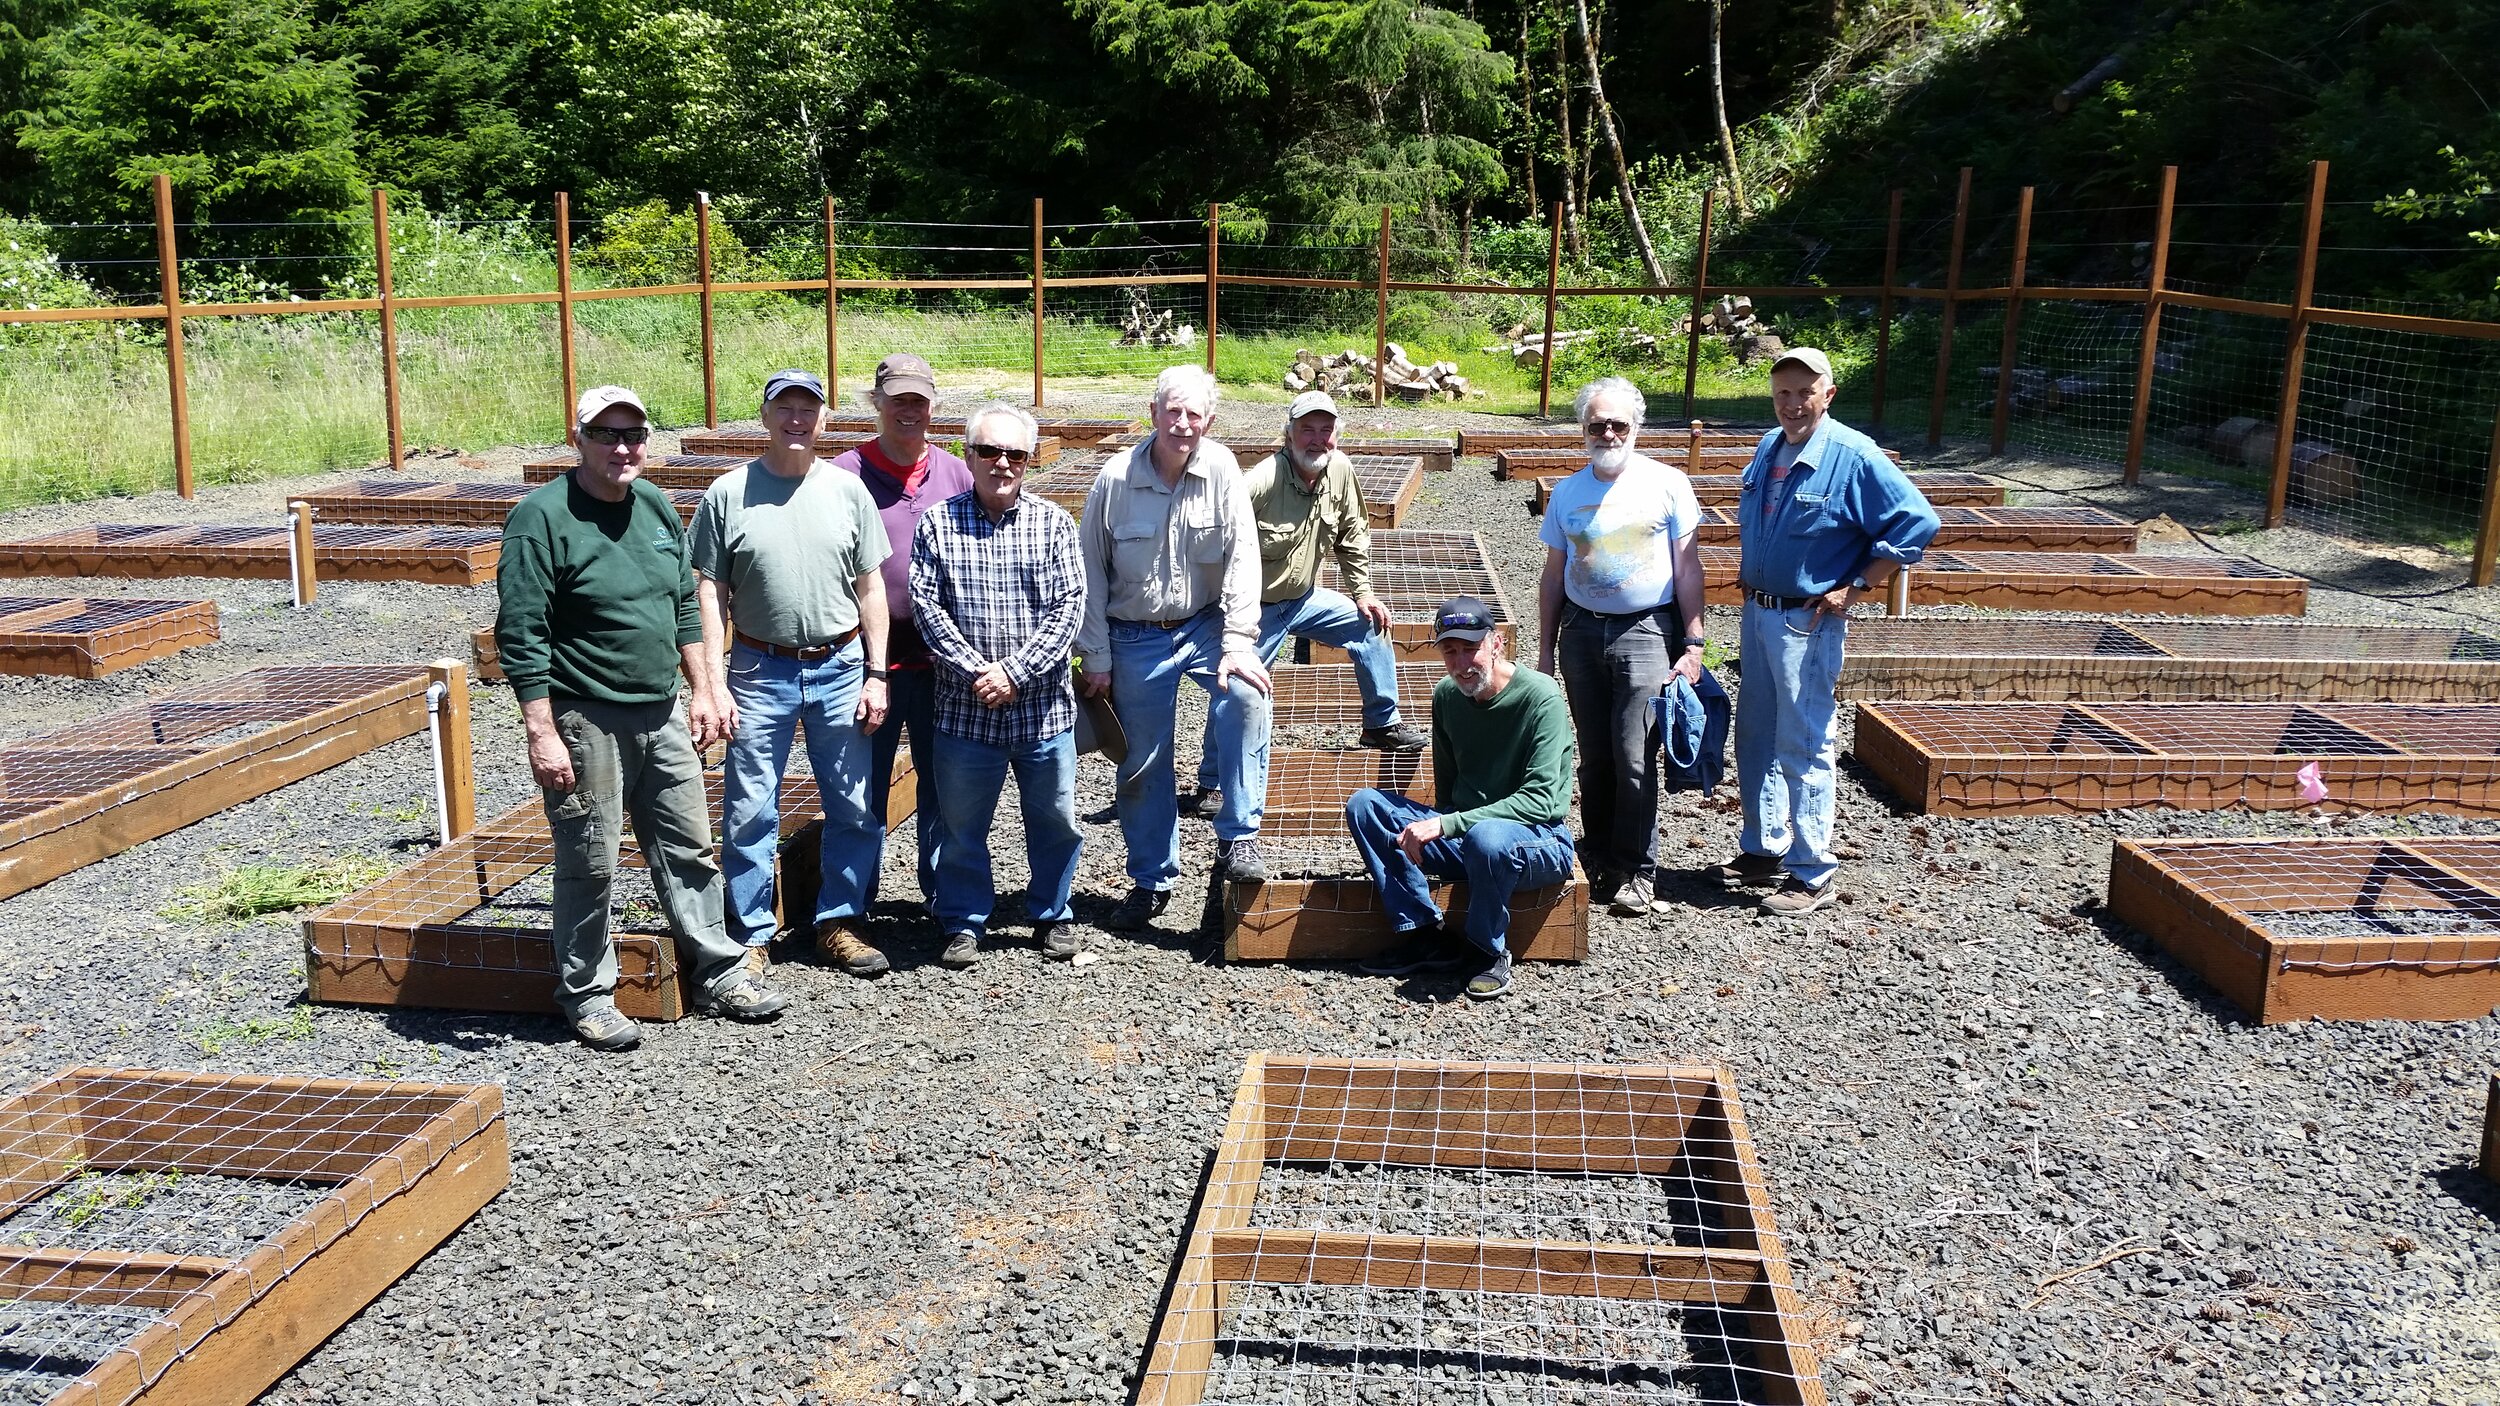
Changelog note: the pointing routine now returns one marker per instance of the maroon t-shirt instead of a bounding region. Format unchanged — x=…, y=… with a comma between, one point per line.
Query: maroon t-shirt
x=902, y=493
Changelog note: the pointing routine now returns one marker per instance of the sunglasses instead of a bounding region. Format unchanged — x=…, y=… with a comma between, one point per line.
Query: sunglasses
x=1015, y=457
x=1617, y=428
x=613, y=434
x=1468, y=621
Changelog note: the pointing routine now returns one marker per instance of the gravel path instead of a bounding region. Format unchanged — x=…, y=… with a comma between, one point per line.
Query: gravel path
x=1963, y=1081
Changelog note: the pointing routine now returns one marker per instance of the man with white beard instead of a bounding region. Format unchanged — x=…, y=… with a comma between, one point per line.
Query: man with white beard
x=1309, y=508
x=1500, y=817
x=1620, y=604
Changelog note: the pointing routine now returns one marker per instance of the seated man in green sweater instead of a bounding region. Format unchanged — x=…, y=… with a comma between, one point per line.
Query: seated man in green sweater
x=1501, y=770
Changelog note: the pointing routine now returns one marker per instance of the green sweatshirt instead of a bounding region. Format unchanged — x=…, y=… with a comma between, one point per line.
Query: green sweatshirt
x=1509, y=759
x=597, y=597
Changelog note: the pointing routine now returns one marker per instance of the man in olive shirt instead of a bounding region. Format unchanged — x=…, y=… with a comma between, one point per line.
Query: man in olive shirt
x=1501, y=773
x=1309, y=508
x=788, y=550
x=597, y=621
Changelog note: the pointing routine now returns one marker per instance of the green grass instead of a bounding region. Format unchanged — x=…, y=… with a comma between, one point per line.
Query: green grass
x=216, y=1036
x=255, y=890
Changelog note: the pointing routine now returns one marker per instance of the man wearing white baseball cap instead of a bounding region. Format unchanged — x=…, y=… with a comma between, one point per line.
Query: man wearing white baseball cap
x=597, y=622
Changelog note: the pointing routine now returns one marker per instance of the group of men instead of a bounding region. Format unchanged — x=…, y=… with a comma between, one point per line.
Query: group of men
x=899, y=589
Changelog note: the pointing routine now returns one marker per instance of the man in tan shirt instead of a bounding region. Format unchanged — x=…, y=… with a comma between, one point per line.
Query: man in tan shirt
x=1172, y=590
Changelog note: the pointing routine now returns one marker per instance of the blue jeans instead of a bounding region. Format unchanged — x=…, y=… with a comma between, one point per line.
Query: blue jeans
x=911, y=701
x=970, y=776
x=1147, y=665
x=1326, y=617
x=1788, y=736
x=1496, y=859
x=774, y=697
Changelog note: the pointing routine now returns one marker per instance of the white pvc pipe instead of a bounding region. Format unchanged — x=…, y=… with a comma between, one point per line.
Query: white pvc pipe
x=294, y=568
x=435, y=693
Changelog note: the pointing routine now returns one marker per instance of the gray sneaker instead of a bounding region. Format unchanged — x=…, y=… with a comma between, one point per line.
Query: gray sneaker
x=1240, y=859
x=742, y=997
x=1797, y=898
x=962, y=949
x=1491, y=982
x=1636, y=899
x=1058, y=940
x=606, y=1028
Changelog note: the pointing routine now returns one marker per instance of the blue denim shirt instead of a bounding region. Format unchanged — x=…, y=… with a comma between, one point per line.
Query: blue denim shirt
x=1847, y=505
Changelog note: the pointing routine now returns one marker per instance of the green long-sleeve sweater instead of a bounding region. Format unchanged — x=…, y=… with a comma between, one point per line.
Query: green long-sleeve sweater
x=1509, y=759
x=597, y=597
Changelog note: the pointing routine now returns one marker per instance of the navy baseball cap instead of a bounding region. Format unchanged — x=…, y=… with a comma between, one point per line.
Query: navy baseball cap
x=793, y=380
x=1462, y=618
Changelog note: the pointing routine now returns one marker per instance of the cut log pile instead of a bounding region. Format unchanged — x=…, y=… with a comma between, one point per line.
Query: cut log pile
x=1748, y=336
x=2321, y=473
x=1350, y=373
x=2045, y=392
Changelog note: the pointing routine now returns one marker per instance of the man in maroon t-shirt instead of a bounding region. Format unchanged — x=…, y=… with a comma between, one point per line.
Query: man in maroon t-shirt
x=907, y=476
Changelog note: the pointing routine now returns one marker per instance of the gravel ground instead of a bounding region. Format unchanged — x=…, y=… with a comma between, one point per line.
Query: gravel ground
x=971, y=1186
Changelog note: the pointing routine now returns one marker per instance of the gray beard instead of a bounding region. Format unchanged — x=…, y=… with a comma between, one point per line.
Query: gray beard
x=1310, y=464
x=1612, y=460
x=1476, y=689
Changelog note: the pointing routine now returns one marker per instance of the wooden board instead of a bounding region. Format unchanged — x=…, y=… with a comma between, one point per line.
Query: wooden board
x=1389, y=486
x=1437, y=452
x=445, y=502
x=842, y=431
x=2065, y=581
x=1923, y=657
x=441, y=556
x=1723, y=490
x=743, y=445
x=90, y=637
x=1658, y=439
x=1339, y=919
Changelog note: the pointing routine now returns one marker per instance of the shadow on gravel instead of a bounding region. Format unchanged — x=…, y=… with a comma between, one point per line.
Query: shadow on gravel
x=2470, y=1185
x=2182, y=977
x=474, y=1031
x=1180, y=1255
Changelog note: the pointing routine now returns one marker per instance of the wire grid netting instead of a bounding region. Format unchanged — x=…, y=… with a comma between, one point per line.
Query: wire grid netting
x=162, y=549
x=2395, y=433
x=2334, y=906
x=2217, y=385
x=149, y=1209
x=1421, y=1231
x=1103, y=336
x=476, y=504
x=104, y=633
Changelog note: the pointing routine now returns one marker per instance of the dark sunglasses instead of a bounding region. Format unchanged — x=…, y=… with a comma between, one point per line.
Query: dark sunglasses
x=1618, y=428
x=1015, y=457
x=615, y=434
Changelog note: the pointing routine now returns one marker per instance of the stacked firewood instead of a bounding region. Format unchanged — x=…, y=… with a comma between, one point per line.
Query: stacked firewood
x=1351, y=373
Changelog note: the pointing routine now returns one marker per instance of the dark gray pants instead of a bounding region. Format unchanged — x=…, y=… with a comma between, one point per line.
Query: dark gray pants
x=1612, y=666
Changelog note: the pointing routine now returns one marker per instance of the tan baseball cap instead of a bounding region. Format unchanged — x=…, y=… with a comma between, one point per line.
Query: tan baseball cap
x=599, y=398
x=905, y=374
x=1310, y=403
x=1808, y=358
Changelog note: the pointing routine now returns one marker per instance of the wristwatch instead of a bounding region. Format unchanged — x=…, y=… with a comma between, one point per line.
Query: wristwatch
x=1695, y=642
x=1858, y=583
x=876, y=673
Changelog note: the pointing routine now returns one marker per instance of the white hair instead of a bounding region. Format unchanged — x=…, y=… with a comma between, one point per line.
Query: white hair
x=1192, y=382
x=1614, y=386
x=1001, y=410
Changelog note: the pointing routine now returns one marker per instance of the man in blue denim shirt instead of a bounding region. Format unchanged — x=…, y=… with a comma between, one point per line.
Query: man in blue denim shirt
x=1825, y=518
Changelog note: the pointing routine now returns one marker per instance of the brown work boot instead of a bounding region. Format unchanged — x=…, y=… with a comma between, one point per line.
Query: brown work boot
x=838, y=941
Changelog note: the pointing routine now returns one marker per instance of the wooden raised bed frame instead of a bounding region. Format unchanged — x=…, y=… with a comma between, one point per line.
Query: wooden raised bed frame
x=2101, y=582
x=843, y=431
x=90, y=637
x=2079, y=660
x=440, y=556
x=1338, y=918
x=1713, y=490
x=445, y=502
x=1681, y=1124
x=1984, y=530
x=743, y=445
x=1437, y=454
x=406, y=1164
x=2206, y=902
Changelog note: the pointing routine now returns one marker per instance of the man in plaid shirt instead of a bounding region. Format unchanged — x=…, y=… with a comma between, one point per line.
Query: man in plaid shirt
x=998, y=589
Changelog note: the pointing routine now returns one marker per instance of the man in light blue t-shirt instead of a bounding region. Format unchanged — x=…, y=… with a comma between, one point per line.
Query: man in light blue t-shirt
x=1620, y=606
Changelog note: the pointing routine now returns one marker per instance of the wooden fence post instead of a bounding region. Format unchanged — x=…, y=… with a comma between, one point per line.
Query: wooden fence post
x=454, y=755
x=1380, y=323
x=564, y=304
x=1883, y=307
x=703, y=301
x=168, y=271
x=2013, y=326
x=390, y=326
x=1952, y=299
x=1037, y=302
x=2487, y=540
x=307, y=576
x=833, y=331
x=1701, y=278
x=1553, y=279
x=2296, y=348
x=2157, y=277
x=1214, y=211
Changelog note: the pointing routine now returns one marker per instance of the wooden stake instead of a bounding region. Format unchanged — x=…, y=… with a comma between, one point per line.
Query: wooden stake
x=1692, y=447
x=307, y=580
x=1883, y=306
x=168, y=271
x=2296, y=348
x=1701, y=277
x=2013, y=325
x=455, y=757
x=703, y=301
x=1213, y=212
x=564, y=306
x=833, y=332
x=1952, y=297
x=390, y=325
x=1037, y=302
x=1380, y=323
x=1553, y=279
x=2487, y=540
x=2157, y=278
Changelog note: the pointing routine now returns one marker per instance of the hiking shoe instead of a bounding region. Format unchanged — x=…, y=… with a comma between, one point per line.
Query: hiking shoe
x=1747, y=871
x=1201, y=803
x=759, y=960
x=1240, y=859
x=962, y=949
x=1421, y=952
x=1396, y=737
x=606, y=1028
x=1797, y=898
x=1604, y=885
x=838, y=941
x=742, y=997
x=1139, y=909
x=1058, y=940
x=1491, y=982
x=1634, y=898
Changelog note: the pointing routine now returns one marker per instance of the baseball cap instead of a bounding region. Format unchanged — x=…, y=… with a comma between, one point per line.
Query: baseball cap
x=1462, y=618
x=1310, y=402
x=599, y=398
x=1808, y=358
x=905, y=374
x=793, y=380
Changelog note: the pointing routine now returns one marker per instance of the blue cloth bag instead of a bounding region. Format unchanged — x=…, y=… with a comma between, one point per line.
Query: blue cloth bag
x=1692, y=724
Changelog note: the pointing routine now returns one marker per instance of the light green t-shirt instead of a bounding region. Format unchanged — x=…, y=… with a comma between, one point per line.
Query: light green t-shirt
x=789, y=550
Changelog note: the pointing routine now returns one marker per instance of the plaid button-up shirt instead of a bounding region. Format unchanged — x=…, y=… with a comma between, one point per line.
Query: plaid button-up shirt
x=1009, y=592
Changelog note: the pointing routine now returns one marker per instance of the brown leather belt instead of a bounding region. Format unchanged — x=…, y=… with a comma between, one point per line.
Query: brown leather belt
x=1164, y=625
x=804, y=653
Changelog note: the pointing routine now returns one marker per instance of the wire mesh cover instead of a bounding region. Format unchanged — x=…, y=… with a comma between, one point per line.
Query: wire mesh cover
x=1420, y=1231
x=455, y=502
x=90, y=638
x=147, y=1210
x=1927, y=658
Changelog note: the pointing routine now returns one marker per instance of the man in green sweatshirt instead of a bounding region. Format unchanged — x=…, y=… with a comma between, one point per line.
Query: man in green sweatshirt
x=1501, y=770
x=598, y=619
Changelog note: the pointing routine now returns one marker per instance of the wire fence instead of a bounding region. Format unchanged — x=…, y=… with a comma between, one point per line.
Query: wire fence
x=244, y=352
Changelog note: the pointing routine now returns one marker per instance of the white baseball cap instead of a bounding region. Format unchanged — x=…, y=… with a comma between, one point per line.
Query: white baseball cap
x=599, y=398
x=1808, y=358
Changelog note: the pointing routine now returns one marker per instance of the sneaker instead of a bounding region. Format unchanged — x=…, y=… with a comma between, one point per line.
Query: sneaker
x=1747, y=871
x=606, y=1028
x=838, y=941
x=1240, y=859
x=1493, y=981
x=1058, y=940
x=1139, y=909
x=1396, y=737
x=962, y=949
x=1201, y=803
x=1421, y=952
x=1604, y=885
x=1796, y=898
x=742, y=997
x=759, y=960
x=1634, y=898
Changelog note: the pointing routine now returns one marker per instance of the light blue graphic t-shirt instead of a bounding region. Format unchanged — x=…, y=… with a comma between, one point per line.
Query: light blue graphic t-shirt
x=1618, y=538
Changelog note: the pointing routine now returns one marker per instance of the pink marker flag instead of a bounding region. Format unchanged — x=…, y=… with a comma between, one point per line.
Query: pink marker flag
x=2312, y=786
